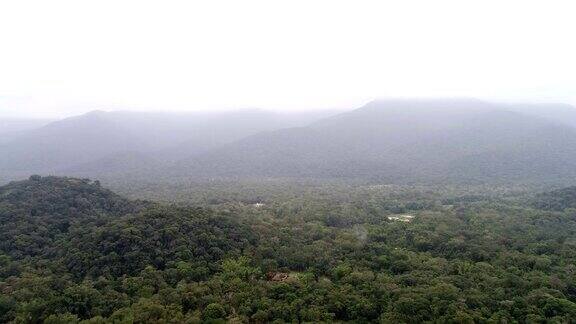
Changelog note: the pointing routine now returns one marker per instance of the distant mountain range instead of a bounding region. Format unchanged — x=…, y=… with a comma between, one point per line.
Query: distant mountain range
x=110, y=143
x=387, y=141
x=11, y=128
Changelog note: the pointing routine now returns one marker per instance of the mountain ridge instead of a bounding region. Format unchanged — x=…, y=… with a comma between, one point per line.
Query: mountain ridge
x=405, y=140
x=382, y=140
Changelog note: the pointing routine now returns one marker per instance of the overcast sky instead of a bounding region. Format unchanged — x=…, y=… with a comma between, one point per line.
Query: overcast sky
x=66, y=57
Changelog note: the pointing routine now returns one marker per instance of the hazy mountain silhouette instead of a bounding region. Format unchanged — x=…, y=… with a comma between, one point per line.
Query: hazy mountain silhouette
x=67, y=142
x=386, y=140
x=560, y=113
x=405, y=140
x=104, y=143
x=11, y=128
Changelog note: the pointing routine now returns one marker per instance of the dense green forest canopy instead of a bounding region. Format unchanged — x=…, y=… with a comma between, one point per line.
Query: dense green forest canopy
x=558, y=200
x=72, y=251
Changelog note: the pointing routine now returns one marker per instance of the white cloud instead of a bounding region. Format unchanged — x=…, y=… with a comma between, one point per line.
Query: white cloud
x=72, y=55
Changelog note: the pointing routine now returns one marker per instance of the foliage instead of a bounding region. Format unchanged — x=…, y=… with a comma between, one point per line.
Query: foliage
x=483, y=256
x=558, y=200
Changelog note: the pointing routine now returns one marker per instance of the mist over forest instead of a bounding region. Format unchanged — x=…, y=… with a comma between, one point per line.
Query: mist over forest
x=398, y=211
x=211, y=162
x=391, y=141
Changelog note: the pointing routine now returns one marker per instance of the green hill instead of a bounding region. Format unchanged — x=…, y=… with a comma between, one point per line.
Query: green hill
x=76, y=224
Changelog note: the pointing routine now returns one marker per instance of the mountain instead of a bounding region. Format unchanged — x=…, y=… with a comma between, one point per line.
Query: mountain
x=196, y=133
x=387, y=140
x=13, y=127
x=196, y=130
x=110, y=143
x=65, y=143
x=560, y=113
x=405, y=140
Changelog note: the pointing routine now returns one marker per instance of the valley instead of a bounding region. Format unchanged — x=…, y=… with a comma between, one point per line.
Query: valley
x=396, y=212
x=73, y=251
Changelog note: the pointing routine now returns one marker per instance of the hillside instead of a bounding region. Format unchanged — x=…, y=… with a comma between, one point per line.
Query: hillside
x=11, y=128
x=557, y=200
x=560, y=113
x=74, y=231
x=36, y=212
x=64, y=143
x=73, y=252
x=399, y=141
x=405, y=140
x=43, y=213
x=105, y=144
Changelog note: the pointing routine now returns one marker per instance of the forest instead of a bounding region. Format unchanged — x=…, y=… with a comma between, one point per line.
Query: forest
x=72, y=251
x=251, y=162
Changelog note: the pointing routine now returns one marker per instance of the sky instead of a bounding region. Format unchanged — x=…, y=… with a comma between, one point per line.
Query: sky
x=59, y=58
